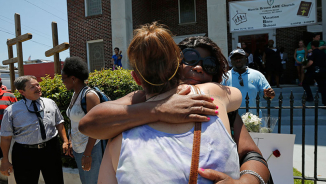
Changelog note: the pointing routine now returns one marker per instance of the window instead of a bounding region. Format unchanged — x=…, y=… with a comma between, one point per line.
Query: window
x=187, y=11
x=95, y=53
x=93, y=7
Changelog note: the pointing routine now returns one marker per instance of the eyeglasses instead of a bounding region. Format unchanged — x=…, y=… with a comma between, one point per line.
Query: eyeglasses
x=192, y=57
x=240, y=80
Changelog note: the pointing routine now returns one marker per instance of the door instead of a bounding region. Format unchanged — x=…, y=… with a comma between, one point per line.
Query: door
x=254, y=42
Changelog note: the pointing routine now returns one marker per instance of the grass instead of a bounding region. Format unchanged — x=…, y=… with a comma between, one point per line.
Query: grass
x=297, y=181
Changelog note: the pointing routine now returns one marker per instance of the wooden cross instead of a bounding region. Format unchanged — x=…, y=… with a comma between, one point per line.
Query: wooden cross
x=18, y=42
x=56, y=49
x=11, y=62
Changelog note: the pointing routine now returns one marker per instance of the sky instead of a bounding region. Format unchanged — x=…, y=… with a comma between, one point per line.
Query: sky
x=36, y=17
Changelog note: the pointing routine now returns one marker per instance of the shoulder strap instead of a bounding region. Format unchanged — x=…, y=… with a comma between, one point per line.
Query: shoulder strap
x=83, y=99
x=195, y=151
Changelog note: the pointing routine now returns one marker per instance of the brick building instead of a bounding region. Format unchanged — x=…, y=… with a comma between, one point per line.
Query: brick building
x=97, y=26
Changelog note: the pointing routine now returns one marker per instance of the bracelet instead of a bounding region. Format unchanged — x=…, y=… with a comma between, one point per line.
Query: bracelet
x=87, y=156
x=253, y=173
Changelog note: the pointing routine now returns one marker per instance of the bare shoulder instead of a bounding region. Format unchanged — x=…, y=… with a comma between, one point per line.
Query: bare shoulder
x=91, y=95
x=114, y=149
x=230, y=96
x=116, y=141
x=212, y=88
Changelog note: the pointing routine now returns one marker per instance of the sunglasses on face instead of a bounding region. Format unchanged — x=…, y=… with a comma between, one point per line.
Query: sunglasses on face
x=192, y=57
x=240, y=80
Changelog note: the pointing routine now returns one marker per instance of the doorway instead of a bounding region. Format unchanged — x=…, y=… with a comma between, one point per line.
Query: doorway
x=254, y=39
x=254, y=42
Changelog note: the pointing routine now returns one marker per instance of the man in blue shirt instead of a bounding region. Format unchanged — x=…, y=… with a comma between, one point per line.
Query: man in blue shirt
x=247, y=80
x=117, y=58
x=33, y=123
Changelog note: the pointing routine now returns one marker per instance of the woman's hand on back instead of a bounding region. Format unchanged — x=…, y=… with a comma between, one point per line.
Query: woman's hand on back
x=183, y=108
x=216, y=177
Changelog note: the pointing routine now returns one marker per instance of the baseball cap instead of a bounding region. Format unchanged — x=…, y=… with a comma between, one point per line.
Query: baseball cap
x=237, y=51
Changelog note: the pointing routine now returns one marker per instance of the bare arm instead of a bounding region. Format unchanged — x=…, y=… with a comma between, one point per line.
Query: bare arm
x=109, y=119
x=308, y=64
x=264, y=58
x=62, y=132
x=91, y=101
x=6, y=167
x=107, y=172
x=246, y=144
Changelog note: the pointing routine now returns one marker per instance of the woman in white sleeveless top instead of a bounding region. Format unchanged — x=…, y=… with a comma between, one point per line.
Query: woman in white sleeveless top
x=155, y=58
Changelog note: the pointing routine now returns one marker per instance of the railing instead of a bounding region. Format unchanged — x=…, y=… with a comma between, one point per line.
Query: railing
x=280, y=107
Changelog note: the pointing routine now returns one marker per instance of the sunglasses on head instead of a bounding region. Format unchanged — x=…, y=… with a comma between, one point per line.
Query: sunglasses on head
x=192, y=57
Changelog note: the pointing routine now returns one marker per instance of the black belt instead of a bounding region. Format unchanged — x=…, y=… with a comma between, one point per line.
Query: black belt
x=38, y=146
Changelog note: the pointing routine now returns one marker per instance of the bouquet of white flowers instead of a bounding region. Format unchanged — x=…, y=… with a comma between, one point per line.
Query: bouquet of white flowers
x=252, y=122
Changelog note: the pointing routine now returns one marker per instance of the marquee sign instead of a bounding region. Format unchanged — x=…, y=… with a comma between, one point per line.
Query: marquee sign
x=271, y=14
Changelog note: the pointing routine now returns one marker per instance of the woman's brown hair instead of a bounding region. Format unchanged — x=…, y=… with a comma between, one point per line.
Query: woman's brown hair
x=155, y=57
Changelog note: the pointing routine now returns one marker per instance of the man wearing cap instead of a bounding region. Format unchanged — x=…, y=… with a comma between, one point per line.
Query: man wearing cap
x=33, y=123
x=247, y=80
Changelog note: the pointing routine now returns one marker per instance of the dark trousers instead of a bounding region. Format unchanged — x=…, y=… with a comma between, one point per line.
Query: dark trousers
x=310, y=76
x=28, y=162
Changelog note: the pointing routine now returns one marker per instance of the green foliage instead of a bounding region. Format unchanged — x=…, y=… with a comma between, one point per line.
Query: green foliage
x=114, y=84
x=298, y=181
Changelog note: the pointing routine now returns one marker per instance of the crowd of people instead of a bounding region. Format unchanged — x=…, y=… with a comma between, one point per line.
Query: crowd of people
x=151, y=131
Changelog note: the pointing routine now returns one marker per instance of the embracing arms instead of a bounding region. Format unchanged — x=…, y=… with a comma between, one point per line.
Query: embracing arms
x=109, y=119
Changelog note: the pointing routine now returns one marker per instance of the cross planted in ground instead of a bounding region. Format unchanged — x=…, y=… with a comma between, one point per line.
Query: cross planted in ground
x=18, y=42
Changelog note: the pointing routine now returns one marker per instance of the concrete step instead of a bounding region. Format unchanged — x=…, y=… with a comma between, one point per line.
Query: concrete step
x=293, y=88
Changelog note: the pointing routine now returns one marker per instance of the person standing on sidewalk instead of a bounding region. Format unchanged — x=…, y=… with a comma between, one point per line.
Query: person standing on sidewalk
x=33, y=123
x=247, y=80
x=86, y=150
x=316, y=70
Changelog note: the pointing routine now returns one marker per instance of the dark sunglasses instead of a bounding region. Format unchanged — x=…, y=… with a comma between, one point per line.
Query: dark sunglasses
x=240, y=80
x=192, y=57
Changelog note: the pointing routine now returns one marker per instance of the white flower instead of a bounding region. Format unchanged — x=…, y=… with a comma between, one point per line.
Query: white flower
x=252, y=122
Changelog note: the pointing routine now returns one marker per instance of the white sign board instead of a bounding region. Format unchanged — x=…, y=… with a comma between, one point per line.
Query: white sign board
x=267, y=14
x=280, y=167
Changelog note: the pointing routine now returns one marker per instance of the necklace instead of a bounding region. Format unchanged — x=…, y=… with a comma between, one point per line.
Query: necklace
x=74, y=98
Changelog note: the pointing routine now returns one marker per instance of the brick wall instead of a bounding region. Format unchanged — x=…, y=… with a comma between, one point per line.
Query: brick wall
x=289, y=39
x=83, y=29
x=166, y=12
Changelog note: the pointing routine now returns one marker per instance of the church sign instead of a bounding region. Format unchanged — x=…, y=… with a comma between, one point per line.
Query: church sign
x=271, y=14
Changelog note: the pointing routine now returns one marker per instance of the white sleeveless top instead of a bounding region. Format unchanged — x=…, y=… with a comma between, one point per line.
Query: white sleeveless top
x=151, y=156
x=75, y=114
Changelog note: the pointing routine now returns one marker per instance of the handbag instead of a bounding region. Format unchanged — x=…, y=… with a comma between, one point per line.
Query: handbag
x=195, y=150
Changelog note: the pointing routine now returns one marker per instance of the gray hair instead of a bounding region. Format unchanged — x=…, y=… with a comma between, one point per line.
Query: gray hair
x=20, y=82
